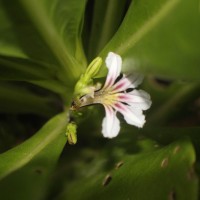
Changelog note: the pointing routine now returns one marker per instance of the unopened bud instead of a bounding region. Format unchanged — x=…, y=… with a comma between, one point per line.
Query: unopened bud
x=86, y=79
x=93, y=67
x=71, y=133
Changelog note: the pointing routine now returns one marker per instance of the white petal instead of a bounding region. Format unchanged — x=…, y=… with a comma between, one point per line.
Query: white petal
x=131, y=81
x=132, y=116
x=113, y=63
x=140, y=93
x=110, y=124
x=135, y=117
x=137, y=99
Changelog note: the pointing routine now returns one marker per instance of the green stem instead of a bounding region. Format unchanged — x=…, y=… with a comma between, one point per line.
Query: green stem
x=71, y=68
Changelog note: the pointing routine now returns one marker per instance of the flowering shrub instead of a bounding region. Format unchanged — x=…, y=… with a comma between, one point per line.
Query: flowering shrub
x=60, y=60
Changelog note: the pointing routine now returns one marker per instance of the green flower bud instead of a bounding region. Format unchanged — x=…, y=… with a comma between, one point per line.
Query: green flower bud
x=93, y=68
x=86, y=78
x=71, y=133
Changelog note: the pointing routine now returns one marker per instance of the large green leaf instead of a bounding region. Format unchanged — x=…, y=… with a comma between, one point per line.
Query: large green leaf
x=21, y=41
x=159, y=37
x=155, y=174
x=54, y=43
x=25, y=170
x=60, y=23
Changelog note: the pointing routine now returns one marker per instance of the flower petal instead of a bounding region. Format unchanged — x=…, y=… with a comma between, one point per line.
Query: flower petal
x=137, y=99
x=131, y=81
x=132, y=116
x=140, y=93
x=135, y=117
x=110, y=124
x=113, y=63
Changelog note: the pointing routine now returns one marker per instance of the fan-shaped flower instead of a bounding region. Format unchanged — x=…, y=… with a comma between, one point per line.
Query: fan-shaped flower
x=119, y=95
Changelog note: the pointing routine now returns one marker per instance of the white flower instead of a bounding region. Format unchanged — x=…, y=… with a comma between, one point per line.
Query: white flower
x=115, y=97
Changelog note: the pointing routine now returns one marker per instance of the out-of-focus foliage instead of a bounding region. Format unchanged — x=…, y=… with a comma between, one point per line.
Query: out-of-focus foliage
x=161, y=38
x=26, y=168
x=139, y=175
x=45, y=46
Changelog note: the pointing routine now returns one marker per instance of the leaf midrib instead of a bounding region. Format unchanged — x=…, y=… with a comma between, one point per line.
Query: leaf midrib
x=34, y=150
x=46, y=29
x=148, y=26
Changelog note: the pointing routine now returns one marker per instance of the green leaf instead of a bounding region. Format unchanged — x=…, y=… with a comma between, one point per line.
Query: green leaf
x=60, y=23
x=160, y=38
x=155, y=174
x=55, y=86
x=31, y=163
x=15, y=99
x=43, y=32
x=107, y=17
x=19, y=39
x=24, y=70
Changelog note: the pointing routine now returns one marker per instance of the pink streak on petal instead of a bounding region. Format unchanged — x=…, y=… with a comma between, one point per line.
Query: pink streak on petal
x=108, y=110
x=119, y=86
x=123, y=96
x=122, y=85
x=127, y=82
x=132, y=116
x=136, y=99
x=120, y=107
